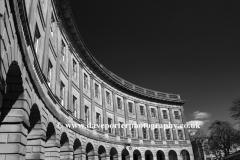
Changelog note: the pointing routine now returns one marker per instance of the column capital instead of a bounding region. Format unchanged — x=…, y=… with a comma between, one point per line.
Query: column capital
x=136, y=101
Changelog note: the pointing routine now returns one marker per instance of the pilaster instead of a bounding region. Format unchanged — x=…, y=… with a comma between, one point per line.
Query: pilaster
x=172, y=122
x=126, y=115
x=104, y=106
x=184, y=122
x=82, y=108
x=139, y=130
x=161, y=123
x=149, y=122
x=115, y=112
x=93, y=121
x=70, y=96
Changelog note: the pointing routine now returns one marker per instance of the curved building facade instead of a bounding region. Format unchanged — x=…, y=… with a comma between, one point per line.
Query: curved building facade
x=50, y=79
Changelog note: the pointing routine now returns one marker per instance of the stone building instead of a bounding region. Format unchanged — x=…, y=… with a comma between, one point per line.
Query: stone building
x=48, y=77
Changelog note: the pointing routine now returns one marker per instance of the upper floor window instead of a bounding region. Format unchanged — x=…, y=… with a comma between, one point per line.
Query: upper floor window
x=133, y=131
x=165, y=115
x=153, y=112
x=168, y=134
x=119, y=103
x=52, y=24
x=87, y=114
x=109, y=123
x=98, y=119
x=156, y=133
x=142, y=110
x=62, y=93
x=176, y=115
x=37, y=37
x=121, y=129
x=50, y=73
x=144, y=132
x=63, y=51
x=85, y=81
x=74, y=69
x=96, y=90
x=180, y=134
x=108, y=97
x=130, y=107
x=74, y=106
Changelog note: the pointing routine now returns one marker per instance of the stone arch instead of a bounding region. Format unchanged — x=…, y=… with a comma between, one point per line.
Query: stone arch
x=35, y=135
x=65, y=150
x=101, y=153
x=51, y=148
x=14, y=116
x=125, y=154
x=113, y=154
x=77, y=150
x=137, y=155
x=89, y=151
x=172, y=155
x=185, y=154
x=160, y=155
x=148, y=155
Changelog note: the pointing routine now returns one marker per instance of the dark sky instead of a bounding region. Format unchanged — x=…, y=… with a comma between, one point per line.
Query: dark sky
x=187, y=47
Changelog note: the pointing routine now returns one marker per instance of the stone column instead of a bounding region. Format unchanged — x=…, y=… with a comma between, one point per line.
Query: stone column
x=139, y=130
x=149, y=122
x=186, y=133
x=126, y=115
x=93, y=116
x=115, y=112
x=104, y=107
x=161, y=123
x=172, y=122
x=82, y=107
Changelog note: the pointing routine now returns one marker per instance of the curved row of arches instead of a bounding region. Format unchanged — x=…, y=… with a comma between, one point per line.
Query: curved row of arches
x=24, y=115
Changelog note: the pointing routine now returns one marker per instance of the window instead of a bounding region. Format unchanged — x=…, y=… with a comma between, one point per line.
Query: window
x=132, y=131
x=153, y=112
x=98, y=119
x=168, y=134
x=109, y=123
x=121, y=129
x=96, y=90
x=63, y=50
x=119, y=103
x=144, y=132
x=130, y=107
x=36, y=38
x=50, y=74
x=62, y=93
x=86, y=115
x=108, y=98
x=156, y=133
x=52, y=24
x=176, y=114
x=85, y=81
x=74, y=69
x=165, y=115
x=180, y=134
x=142, y=110
x=74, y=106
